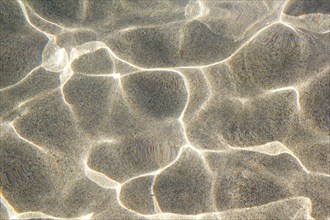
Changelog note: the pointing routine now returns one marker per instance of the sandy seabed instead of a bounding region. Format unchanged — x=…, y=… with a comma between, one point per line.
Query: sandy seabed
x=131, y=109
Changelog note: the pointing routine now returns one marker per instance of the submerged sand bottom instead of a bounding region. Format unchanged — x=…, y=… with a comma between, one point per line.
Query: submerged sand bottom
x=164, y=110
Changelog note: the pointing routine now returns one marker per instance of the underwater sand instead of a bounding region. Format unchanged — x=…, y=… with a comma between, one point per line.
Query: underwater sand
x=180, y=109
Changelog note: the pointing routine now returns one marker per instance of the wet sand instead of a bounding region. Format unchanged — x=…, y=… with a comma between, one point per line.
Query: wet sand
x=164, y=109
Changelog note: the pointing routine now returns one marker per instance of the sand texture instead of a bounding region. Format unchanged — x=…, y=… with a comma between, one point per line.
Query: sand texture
x=165, y=109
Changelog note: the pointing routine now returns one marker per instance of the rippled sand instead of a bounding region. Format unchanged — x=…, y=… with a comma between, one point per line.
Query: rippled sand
x=131, y=109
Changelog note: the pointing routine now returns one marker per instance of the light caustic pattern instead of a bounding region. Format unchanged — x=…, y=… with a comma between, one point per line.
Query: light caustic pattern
x=164, y=109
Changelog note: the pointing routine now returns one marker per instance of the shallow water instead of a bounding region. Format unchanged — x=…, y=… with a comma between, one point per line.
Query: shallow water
x=164, y=109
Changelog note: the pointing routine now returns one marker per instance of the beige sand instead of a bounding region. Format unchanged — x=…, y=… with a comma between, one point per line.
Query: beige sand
x=174, y=109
